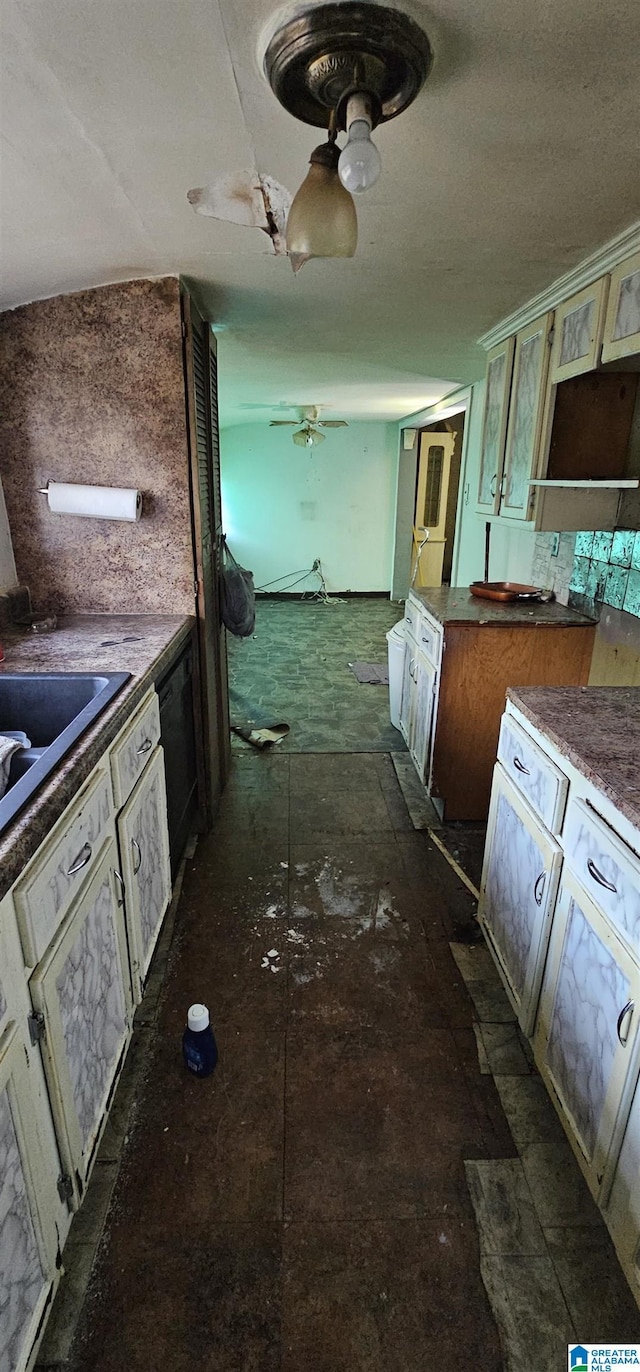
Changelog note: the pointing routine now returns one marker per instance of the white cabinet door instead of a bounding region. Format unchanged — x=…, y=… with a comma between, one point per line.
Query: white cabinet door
x=27, y=1242
x=577, y=333
x=144, y=848
x=586, y=1042
x=622, y=324
x=424, y=679
x=408, y=690
x=528, y=393
x=82, y=988
x=623, y=1209
x=517, y=895
x=494, y=426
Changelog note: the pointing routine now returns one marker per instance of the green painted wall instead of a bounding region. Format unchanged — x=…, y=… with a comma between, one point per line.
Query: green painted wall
x=285, y=506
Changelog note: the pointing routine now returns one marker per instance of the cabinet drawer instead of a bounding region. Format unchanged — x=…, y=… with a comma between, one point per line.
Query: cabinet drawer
x=607, y=869
x=412, y=619
x=429, y=640
x=535, y=775
x=133, y=749
x=45, y=891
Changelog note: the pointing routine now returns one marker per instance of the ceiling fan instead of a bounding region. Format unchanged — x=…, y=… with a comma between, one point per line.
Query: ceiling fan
x=309, y=433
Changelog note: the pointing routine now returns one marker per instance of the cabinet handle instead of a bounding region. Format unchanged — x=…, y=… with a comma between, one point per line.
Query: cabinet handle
x=597, y=876
x=136, y=847
x=520, y=767
x=494, y=483
x=538, y=890
x=627, y=1009
x=120, y=884
x=84, y=856
x=144, y=747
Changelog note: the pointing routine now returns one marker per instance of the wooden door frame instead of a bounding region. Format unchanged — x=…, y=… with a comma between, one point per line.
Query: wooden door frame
x=406, y=485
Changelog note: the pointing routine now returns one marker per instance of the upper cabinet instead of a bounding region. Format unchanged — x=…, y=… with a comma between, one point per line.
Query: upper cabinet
x=557, y=425
x=531, y=361
x=577, y=334
x=494, y=425
x=622, y=324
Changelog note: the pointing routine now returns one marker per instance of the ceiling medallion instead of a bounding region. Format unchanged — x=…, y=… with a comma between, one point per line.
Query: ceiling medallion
x=316, y=60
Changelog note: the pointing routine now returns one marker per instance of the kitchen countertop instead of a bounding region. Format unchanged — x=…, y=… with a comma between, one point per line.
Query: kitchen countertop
x=143, y=645
x=456, y=605
x=598, y=729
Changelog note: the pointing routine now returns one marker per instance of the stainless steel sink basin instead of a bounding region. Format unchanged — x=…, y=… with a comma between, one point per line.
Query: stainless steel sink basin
x=53, y=709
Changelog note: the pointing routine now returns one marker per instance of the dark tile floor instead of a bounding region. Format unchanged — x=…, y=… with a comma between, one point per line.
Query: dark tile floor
x=345, y=1194
x=307, y=1206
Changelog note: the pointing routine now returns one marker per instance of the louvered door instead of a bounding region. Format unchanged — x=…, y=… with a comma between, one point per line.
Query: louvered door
x=204, y=447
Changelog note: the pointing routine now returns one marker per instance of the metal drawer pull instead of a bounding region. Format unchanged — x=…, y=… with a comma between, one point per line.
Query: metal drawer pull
x=520, y=767
x=84, y=856
x=597, y=876
x=538, y=890
x=627, y=1009
x=144, y=747
x=120, y=884
x=494, y=482
x=135, y=845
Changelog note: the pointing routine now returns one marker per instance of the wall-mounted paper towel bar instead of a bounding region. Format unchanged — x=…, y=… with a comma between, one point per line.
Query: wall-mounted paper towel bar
x=93, y=502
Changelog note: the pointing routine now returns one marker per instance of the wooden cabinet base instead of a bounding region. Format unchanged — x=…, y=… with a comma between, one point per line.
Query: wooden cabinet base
x=478, y=664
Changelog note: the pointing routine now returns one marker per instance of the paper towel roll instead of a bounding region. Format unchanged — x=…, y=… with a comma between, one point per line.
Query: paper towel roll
x=94, y=502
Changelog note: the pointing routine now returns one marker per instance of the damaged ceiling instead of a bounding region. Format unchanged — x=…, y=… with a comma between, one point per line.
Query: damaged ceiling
x=518, y=158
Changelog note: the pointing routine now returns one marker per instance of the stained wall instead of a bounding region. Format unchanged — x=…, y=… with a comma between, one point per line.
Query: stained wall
x=92, y=391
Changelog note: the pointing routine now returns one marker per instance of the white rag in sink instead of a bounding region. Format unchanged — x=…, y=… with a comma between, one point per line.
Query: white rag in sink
x=8, y=746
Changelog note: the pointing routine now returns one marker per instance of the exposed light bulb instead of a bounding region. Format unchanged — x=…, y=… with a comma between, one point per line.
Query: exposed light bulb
x=309, y=440
x=360, y=162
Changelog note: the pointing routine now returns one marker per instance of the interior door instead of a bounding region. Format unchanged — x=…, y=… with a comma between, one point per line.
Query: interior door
x=204, y=449
x=430, y=513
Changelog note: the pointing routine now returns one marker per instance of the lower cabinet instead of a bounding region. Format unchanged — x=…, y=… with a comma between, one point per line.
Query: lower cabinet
x=82, y=991
x=144, y=850
x=77, y=934
x=424, y=685
x=519, y=884
x=623, y=1208
x=28, y=1243
x=561, y=915
x=586, y=1042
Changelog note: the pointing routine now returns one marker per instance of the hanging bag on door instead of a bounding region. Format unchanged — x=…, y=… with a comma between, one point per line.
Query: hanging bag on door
x=238, y=596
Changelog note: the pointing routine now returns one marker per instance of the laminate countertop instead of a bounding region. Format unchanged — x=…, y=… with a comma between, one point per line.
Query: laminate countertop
x=598, y=729
x=456, y=605
x=143, y=645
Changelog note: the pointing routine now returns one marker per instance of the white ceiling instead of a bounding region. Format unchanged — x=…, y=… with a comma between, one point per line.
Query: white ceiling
x=518, y=158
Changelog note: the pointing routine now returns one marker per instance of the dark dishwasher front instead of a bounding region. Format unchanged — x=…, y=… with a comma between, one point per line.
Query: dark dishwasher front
x=177, y=735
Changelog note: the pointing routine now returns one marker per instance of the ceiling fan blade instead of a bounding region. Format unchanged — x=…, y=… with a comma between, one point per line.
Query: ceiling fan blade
x=334, y=423
x=278, y=423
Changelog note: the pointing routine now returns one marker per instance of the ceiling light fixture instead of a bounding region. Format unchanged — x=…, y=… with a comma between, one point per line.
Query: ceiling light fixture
x=347, y=66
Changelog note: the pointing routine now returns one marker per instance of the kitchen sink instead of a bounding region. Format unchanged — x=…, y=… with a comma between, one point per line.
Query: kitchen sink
x=53, y=709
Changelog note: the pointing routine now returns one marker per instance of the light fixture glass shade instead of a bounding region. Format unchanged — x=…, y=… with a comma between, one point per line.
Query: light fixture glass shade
x=322, y=220
x=308, y=438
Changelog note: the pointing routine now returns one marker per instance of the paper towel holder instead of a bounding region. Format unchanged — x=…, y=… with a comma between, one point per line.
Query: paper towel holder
x=106, y=491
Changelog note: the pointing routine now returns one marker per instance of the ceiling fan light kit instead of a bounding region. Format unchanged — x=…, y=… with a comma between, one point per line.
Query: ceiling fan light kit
x=344, y=67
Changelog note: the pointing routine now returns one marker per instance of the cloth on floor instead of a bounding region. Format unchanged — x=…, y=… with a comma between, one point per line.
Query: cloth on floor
x=8, y=746
x=261, y=738
x=370, y=673
x=256, y=726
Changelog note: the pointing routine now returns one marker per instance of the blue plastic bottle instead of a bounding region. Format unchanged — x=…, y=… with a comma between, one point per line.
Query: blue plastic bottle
x=199, y=1047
